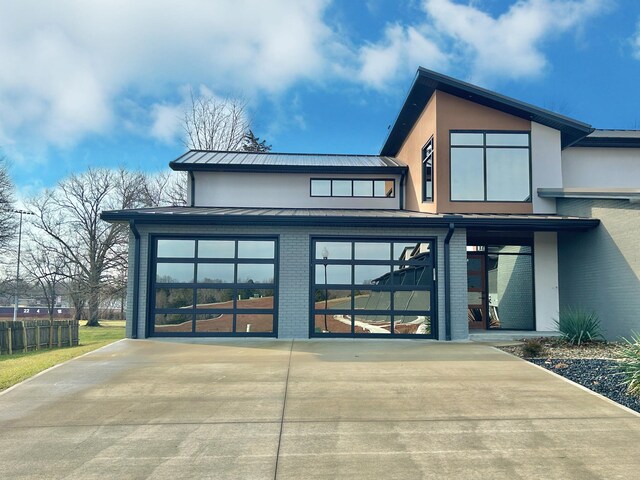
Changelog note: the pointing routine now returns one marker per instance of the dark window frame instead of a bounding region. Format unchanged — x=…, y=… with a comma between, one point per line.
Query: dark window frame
x=391, y=288
x=352, y=179
x=154, y=285
x=484, y=148
x=428, y=153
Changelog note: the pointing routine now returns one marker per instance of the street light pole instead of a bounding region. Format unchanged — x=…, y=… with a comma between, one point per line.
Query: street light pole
x=15, y=304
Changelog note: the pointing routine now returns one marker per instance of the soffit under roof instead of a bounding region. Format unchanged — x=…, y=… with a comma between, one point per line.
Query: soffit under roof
x=427, y=82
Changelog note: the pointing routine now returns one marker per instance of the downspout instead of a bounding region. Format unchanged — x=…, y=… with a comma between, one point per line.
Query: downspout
x=136, y=279
x=403, y=176
x=193, y=189
x=447, y=282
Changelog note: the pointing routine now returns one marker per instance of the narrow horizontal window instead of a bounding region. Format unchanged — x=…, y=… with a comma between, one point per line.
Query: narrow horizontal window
x=364, y=188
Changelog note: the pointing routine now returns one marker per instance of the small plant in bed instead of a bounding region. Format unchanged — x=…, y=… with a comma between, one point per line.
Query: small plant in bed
x=532, y=347
x=578, y=325
x=630, y=364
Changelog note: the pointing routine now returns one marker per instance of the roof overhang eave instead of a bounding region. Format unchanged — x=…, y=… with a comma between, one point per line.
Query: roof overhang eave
x=496, y=224
x=317, y=169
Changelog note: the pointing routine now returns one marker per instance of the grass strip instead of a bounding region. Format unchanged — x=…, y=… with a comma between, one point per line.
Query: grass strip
x=20, y=366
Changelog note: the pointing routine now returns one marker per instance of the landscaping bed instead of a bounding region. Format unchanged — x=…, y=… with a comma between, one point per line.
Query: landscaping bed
x=592, y=365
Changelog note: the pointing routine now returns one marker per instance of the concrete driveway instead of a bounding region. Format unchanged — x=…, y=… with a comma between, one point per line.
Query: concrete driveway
x=263, y=409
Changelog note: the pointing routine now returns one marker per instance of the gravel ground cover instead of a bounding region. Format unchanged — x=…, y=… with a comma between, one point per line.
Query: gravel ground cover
x=592, y=365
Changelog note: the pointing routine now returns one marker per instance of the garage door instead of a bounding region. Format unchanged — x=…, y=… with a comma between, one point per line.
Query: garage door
x=213, y=286
x=373, y=288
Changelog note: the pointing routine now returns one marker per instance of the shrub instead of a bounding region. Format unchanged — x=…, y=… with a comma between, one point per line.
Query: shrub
x=532, y=347
x=630, y=364
x=578, y=326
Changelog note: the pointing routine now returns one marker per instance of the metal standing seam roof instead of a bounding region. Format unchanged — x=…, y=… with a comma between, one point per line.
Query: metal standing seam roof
x=611, y=139
x=242, y=161
x=427, y=82
x=343, y=217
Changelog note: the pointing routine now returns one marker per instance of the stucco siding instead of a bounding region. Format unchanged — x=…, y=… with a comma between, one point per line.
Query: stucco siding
x=280, y=190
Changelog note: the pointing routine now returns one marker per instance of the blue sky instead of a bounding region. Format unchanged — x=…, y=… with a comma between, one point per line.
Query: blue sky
x=104, y=83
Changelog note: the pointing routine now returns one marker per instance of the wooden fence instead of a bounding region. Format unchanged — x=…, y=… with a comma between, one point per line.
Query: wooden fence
x=26, y=335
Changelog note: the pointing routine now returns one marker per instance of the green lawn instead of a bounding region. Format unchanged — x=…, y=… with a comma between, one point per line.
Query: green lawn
x=20, y=366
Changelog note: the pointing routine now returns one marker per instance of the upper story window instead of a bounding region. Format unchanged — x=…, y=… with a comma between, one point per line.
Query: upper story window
x=339, y=187
x=490, y=166
x=427, y=171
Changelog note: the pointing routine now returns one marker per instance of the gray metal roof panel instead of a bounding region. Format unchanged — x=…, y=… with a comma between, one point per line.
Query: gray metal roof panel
x=246, y=160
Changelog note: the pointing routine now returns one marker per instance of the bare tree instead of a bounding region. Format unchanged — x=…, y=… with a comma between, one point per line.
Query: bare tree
x=214, y=124
x=46, y=268
x=165, y=188
x=70, y=215
x=7, y=218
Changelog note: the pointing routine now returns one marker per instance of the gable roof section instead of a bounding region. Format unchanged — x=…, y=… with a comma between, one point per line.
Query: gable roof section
x=224, y=161
x=611, y=139
x=427, y=82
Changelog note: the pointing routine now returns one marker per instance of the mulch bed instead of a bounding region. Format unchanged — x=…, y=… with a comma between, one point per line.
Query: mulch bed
x=592, y=365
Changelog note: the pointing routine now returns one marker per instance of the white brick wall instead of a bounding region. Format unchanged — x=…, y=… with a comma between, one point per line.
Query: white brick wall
x=600, y=270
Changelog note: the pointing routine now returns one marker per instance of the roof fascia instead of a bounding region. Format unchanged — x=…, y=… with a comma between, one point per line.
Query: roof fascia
x=607, y=142
x=207, y=167
x=519, y=224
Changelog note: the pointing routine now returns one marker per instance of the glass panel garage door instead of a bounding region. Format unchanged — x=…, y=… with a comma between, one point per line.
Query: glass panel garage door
x=373, y=288
x=213, y=286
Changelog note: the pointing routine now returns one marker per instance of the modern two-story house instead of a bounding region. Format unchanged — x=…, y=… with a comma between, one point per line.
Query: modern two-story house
x=481, y=213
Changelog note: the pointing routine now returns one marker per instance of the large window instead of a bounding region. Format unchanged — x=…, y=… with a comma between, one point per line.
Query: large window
x=373, y=287
x=339, y=187
x=214, y=286
x=427, y=171
x=490, y=166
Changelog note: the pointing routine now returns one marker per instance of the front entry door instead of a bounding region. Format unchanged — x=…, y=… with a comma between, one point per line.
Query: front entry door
x=476, y=291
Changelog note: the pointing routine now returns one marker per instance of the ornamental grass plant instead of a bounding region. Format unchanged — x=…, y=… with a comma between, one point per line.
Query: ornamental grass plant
x=578, y=325
x=630, y=364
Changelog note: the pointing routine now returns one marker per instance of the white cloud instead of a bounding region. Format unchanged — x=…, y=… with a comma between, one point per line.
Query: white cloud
x=401, y=50
x=465, y=37
x=167, y=122
x=65, y=65
x=509, y=45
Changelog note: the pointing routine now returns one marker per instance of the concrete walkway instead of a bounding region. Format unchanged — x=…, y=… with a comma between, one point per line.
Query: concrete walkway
x=264, y=409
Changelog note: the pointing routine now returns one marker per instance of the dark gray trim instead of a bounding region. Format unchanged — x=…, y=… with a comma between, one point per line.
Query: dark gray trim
x=427, y=82
x=193, y=189
x=600, y=193
x=136, y=279
x=320, y=217
x=447, y=281
x=608, y=142
x=262, y=168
